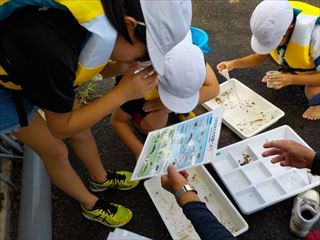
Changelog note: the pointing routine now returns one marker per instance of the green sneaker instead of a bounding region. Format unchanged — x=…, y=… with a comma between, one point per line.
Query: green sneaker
x=109, y=214
x=119, y=180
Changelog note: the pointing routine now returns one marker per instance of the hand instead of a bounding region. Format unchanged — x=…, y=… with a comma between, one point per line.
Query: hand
x=228, y=65
x=135, y=85
x=174, y=180
x=279, y=81
x=154, y=106
x=290, y=153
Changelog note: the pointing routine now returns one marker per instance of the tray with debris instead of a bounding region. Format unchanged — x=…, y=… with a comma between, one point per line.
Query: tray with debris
x=253, y=181
x=245, y=112
x=209, y=192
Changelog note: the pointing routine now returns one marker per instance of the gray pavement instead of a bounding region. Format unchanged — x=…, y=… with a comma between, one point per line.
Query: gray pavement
x=227, y=23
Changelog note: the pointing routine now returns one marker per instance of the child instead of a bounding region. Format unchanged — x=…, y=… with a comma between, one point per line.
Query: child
x=47, y=47
x=151, y=113
x=290, y=33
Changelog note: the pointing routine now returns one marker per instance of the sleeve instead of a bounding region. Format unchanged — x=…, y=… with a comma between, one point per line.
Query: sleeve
x=315, y=46
x=205, y=223
x=315, y=169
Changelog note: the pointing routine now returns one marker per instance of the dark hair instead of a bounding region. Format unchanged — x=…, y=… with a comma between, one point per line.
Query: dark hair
x=117, y=9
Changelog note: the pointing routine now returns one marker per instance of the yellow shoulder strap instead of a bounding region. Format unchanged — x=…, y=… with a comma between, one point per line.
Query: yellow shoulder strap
x=83, y=10
x=3, y=2
x=306, y=8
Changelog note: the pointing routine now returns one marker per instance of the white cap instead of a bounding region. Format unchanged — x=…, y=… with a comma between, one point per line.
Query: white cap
x=167, y=24
x=269, y=23
x=184, y=74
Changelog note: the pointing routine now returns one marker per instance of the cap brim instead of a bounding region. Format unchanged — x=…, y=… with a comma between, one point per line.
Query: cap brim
x=156, y=57
x=259, y=48
x=176, y=104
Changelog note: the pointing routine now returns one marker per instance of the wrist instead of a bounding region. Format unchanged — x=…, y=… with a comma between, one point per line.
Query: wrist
x=120, y=95
x=185, y=193
x=187, y=197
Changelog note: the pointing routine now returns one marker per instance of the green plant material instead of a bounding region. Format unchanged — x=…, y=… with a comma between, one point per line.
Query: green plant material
x=86, y=92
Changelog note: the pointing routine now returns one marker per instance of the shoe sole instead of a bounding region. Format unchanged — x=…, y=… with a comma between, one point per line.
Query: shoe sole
x=296, y=232
x=103, y=189
x=105, y=223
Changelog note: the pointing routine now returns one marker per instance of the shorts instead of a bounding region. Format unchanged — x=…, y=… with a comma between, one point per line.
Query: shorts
x=9, y=120
x=135, y=109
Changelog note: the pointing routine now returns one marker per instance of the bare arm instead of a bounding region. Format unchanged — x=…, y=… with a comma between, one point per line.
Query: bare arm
x=249, y=61
x=286, y=79
x=309, y=79
x=132, y=86
x=120, y=124
x=113, y=69
x=210, y=88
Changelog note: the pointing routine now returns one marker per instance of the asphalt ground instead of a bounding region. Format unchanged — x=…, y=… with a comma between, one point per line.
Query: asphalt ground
x=227, y=23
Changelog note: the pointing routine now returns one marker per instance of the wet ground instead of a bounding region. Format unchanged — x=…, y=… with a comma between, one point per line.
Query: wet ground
x=227, y=23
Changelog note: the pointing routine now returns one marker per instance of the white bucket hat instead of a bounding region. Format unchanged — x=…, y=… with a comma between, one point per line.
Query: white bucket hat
x=179, y=64
x=269, y=23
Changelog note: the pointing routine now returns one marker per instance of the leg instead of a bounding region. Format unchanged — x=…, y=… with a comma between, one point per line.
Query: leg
x=313, y=112
x=154, y=121
x=85, y=148
x=55, y=156
x=120, y=124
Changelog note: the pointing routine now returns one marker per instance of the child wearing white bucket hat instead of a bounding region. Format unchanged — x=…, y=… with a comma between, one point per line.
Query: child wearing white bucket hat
x=48, y=47
x=177, y=91
x=288, y=32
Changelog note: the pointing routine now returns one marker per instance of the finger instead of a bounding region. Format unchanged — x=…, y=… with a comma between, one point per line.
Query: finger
x=280, y=144
x=221, y=67
x=148, y=71
x=185, y=174
x=164, y=180
x=271, y=152
x=133, y=68
x=171, y=170
x=277, y=159
x=284, y=163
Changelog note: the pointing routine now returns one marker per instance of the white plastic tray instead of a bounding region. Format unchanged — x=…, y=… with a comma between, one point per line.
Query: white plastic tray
x=209, y=192
x=256, y=183
x=245, y=112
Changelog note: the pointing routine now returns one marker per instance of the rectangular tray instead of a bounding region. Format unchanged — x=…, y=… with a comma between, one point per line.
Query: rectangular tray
x=253, y=181
x=245, y=112
x=209, y=192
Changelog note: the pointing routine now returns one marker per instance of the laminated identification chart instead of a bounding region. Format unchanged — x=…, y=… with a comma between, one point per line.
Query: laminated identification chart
x=184, y=145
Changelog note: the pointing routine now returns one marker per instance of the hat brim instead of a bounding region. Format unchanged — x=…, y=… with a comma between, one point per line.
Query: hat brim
x=176, y=104
x=156, y=57
x=259, y=48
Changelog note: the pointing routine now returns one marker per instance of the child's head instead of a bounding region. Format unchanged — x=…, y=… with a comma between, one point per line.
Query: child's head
x=127, y=18
x=159, y=29
x=271, y=24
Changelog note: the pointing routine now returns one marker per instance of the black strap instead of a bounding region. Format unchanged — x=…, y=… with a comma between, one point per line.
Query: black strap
x=4, y=78
x=16, y=95
x=6, y=65
x=17, y=101
x=288, y=69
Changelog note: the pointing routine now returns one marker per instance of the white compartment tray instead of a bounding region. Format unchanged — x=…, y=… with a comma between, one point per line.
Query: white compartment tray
x=245, y=112
x=209, y=192
x=253, y=181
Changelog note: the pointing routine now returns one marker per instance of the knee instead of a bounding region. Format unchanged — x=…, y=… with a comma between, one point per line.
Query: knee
x=83, y=136
x=311, y=91
x=153, y=122
x=56, y=156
